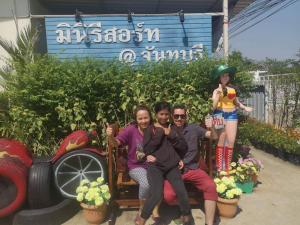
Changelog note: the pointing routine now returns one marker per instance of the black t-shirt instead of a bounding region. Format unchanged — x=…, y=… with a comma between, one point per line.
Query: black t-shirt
x=164, y=147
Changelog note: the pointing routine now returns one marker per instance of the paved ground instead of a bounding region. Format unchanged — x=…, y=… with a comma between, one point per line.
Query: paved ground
x=275, y=201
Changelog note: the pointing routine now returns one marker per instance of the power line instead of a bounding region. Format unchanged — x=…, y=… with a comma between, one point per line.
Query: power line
x=276, y=11
x=254, y=14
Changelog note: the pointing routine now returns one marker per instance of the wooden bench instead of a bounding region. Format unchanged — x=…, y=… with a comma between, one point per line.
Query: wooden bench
x=125, y=190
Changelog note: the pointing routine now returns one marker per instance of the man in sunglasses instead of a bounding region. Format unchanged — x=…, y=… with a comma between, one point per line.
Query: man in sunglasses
x=193, y=134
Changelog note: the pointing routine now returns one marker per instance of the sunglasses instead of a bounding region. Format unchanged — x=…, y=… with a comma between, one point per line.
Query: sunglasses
x=177, y=116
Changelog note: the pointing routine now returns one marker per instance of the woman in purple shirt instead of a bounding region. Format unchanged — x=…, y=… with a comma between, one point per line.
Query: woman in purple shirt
x=132, y=136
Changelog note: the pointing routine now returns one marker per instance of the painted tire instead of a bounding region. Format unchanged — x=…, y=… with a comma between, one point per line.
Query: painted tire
x=75, y=166
x=54, y=215
x=13, y=175
x=41, y=191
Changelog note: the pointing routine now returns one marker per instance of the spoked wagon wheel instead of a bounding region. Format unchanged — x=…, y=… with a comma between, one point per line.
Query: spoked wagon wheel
x=75, y=166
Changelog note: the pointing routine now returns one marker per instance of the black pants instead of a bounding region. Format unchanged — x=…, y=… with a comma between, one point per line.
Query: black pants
x=156, y=181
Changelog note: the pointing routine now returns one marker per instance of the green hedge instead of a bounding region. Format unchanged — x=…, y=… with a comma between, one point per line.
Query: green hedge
x=46, y=100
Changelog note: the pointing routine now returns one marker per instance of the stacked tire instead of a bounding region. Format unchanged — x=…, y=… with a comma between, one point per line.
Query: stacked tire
x=13, y=185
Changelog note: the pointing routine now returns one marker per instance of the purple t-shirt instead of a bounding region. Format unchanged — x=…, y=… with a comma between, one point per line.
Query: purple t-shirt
x=131, y=137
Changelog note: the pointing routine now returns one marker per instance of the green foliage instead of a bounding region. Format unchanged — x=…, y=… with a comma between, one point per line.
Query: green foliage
x=47, y=99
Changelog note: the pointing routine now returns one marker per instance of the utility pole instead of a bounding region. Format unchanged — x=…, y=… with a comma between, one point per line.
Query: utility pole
x=225, y=29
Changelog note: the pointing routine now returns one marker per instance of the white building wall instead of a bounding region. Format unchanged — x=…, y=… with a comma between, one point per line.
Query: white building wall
x=8, y=31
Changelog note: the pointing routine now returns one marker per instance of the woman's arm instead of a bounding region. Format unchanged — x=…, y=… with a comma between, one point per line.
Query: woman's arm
x=238, y=104
x=152, y=139
x=216, y=96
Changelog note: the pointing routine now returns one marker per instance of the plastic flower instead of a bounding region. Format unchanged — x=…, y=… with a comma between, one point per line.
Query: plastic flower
x=107, y=196
x=226, y=187
x=99, y=201
x=100, y=180
x=83, y=182
x=78, y=189
x=94, y=184
x=104, y=188
x=229, y=194
x=233, y=164
x=221, y=188
x=93, y=193
x=217, y=180
x=79, y=197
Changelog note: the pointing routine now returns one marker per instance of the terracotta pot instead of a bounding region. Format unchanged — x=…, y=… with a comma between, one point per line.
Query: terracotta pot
x=227, y=207
x=94, y=215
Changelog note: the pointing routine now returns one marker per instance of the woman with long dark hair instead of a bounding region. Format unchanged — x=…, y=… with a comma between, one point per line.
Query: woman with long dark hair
x=225, y=105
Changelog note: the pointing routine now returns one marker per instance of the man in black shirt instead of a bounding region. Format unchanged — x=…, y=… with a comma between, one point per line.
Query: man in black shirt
x=193, y=134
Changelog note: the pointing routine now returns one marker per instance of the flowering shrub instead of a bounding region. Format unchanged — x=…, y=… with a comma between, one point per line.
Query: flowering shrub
x=243, y=170
x=226, y=188
x=256, y=163
x=93, y=193
x=266, y=136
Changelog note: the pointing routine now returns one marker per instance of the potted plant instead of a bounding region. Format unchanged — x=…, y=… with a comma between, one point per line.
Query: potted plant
x=228, y=196
x=243, y=173
x=94, y=197
x=257, y=165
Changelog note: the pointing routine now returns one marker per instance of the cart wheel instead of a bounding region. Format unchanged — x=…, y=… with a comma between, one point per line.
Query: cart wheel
x=75, y=166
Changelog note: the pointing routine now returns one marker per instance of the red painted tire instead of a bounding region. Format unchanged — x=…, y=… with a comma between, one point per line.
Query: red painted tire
x=15, y=172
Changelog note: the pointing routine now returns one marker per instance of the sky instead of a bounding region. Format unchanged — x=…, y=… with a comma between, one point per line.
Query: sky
x=276, y=37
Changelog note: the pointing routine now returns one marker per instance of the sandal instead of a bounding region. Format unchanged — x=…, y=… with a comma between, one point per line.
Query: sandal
x=137, y=219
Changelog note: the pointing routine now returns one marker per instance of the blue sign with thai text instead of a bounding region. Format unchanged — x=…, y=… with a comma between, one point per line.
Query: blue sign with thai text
x=145, y=38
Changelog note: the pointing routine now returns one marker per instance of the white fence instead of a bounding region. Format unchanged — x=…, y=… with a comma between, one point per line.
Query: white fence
x=276, y=99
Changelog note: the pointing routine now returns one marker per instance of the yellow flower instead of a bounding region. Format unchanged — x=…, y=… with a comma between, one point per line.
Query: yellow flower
x=88, y=196
x=217, y=180
x=104, y=188
x=85, y=189
x=100, y=180
x=99, y=201
x=83, y=182
x=229, y=194
x=233, y=164
x=223, y=173
x=232, y=171
x=221, y=188
x=226, y=181
x=107, y=196
x=94, y=184
x=78, y=189
x=79, y=197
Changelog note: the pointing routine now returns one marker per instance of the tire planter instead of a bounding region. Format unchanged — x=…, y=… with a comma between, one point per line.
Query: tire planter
x=75, y=166
x=246, y=187
x=54, y=215
x=227, y=207
x=41, y=191
x=13, y=175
